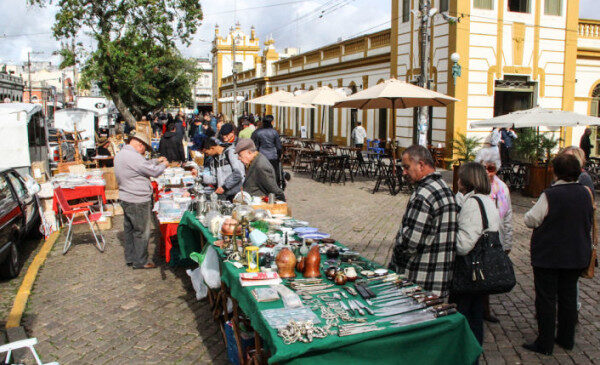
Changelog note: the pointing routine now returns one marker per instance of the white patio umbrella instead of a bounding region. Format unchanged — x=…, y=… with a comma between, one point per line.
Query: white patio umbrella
x=276, y=97
x=538, y=117
x=324, y=96
x=229, y=99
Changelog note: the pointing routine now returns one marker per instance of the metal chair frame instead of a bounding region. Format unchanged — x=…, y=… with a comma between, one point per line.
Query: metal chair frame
x=71, y=212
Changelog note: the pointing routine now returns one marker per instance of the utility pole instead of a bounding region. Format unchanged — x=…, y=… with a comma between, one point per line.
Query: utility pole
x=74, y=69
x=424, y=8
x=29, y=72
x=233, y=41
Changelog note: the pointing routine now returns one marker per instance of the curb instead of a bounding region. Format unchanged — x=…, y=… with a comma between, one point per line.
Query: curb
x=16, y=313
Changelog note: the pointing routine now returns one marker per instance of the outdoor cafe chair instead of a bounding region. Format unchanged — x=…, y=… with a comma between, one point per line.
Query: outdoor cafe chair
x=79, y=214
x=22, y=344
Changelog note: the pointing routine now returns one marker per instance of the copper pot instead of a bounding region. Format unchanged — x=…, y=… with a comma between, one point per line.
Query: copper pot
x=312, y=263
x=340, y=278
x=286, y=262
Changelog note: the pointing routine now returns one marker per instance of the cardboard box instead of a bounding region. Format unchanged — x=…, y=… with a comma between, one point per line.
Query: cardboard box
x=105, y=223
x=108, y=173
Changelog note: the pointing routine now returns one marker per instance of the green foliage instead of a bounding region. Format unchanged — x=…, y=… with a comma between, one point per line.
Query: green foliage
x=533, y=146
x=465, y=148
x=68, y=58
x=136, y=61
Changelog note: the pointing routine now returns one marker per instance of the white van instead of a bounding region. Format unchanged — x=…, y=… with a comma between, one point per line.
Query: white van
x=81, y=119
x=24, y=136
x=104, y=108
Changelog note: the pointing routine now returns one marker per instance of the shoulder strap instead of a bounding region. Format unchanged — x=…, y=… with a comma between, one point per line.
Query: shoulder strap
x=484, y=218
x=594, y=225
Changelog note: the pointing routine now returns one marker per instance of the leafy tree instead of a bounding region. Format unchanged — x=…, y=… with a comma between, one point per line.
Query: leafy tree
x=135, y=62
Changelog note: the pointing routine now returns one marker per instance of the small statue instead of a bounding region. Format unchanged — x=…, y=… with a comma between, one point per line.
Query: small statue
x=286, y=263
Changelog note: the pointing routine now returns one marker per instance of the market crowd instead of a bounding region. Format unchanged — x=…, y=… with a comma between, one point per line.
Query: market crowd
x=441, y=231
x=243, y=157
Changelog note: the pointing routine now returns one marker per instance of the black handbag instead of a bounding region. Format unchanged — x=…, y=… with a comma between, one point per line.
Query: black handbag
x=487, y=269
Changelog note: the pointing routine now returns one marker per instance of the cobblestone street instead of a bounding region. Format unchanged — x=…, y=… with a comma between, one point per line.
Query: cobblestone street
x=89, y=307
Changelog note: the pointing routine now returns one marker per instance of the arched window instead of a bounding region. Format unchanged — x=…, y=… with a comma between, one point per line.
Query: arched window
x=595, y=111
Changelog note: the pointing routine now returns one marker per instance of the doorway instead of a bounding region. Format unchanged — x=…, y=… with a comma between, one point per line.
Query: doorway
x=512, y=94
x=330, y=123
x=595, y=112
x=311, y=125
x=353, y=120
x=382, y=127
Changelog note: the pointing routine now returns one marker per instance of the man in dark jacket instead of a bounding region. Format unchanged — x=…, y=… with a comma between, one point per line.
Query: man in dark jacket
x=171, y=146
x=224, y=170
x=260, y=176
x=267, y=142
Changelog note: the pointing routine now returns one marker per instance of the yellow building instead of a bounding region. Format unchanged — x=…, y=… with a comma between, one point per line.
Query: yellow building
x=514, y=54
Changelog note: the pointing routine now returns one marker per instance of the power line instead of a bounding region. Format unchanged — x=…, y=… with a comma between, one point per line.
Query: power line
x=256, y=7
x=22, y=35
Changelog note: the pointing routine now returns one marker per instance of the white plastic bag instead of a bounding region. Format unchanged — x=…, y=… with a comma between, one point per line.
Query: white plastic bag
x=210, y=269
x=198, y=284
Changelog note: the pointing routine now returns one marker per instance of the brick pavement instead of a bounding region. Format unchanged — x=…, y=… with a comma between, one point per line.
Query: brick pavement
x=368, y=223
x=89, y=307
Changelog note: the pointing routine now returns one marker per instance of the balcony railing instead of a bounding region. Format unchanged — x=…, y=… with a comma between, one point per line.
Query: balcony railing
x=589, y=28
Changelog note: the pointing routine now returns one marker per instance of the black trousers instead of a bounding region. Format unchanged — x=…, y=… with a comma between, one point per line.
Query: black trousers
x=471, y=306
x=275, y=164
x=552, y=287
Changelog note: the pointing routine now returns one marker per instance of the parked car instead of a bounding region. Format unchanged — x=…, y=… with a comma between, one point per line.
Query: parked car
x=19, y=215
x=68, y=149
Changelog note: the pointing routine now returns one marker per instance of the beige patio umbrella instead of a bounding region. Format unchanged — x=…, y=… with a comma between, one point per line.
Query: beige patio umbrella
x=324, y=96
x=394, y=94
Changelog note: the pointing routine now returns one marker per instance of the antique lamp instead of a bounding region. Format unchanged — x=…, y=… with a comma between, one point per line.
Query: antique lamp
x=252, y=258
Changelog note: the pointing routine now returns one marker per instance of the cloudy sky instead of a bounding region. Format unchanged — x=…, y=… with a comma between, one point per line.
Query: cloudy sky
x=292, y=23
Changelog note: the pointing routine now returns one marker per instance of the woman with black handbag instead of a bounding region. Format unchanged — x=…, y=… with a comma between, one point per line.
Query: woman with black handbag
x=477, y=211
x=561, y=248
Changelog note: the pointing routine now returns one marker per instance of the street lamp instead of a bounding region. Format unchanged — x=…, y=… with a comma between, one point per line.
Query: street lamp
x=456, y=67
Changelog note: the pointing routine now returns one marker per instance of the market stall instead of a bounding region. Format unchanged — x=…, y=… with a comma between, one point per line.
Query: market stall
x=338, y=307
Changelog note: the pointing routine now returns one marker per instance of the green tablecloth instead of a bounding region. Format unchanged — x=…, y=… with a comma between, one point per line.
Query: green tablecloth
x=446, y=340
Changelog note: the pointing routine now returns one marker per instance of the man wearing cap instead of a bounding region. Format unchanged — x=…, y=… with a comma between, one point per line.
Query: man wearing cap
x=133, y=174
x=227, y=133
x=260, y=175
x=225, y=171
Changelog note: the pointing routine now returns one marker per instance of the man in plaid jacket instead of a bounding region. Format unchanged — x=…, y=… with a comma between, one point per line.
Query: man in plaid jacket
x=426, y=241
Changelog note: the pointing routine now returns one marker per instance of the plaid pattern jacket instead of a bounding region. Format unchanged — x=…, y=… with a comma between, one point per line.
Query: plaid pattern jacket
x=426, y=241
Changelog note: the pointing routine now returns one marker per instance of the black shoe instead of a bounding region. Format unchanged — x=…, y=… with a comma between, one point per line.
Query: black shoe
x=491, y=319
x=561, y=344
x=129, y=263
x=534, y=347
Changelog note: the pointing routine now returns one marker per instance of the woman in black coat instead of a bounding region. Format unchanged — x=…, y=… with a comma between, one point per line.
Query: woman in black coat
x=171, y=146
x=561, y=247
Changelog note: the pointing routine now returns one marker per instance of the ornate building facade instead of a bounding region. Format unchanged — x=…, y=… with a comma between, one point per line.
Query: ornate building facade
x=514, y=55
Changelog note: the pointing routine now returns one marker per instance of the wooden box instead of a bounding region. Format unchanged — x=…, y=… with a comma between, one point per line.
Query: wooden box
x=273, y=208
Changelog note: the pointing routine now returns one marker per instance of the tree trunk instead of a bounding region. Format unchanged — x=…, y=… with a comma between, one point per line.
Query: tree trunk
x=122, y=108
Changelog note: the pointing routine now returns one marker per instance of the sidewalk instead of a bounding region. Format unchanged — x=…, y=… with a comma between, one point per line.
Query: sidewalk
x=89, y=307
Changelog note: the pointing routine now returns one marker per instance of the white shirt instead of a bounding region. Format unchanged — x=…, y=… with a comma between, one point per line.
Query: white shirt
x=470, y=222
x=359, y=134
x=536, y=215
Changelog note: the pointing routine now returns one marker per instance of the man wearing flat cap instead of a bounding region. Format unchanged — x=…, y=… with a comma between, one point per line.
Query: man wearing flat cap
x=260, y=175
x=133, y=173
